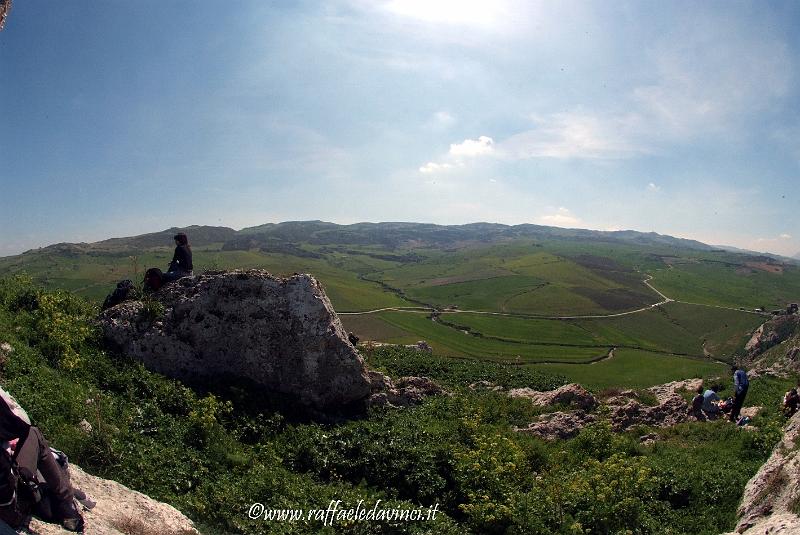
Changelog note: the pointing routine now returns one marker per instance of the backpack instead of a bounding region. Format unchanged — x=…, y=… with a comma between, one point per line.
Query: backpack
x=18, y=492
x=120, y=294
x=153, y=279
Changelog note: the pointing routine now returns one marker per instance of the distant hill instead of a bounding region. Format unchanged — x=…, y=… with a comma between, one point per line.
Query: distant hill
x=276, y=237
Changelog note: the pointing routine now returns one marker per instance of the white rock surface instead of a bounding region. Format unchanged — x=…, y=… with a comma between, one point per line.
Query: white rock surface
x=119, y=511
x=281, y=334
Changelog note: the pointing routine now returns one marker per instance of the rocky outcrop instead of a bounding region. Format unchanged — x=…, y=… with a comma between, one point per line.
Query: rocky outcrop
x=561, y=425
x=772, y=495
x=281, y=334
x=772, y=333
x=119, y=511
x=403, y=392
x=572, y=394
x=624, y=410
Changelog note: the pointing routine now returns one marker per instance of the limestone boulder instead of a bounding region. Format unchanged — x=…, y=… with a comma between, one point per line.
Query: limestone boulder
x=281, y=334
x=118, y=511
x=572, y=394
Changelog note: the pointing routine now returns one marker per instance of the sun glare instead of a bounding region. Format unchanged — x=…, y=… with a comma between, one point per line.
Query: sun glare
x=460, y=12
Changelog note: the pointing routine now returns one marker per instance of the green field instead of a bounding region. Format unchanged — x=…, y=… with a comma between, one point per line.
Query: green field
x=526, y=277
x=635, y=369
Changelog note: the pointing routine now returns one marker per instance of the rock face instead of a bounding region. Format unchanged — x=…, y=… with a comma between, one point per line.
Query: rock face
x=772, y=333
x=119, y=511
x=774, y=491
x=280, y=333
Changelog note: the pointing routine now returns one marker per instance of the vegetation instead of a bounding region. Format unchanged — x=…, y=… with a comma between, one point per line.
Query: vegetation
x=214, y=453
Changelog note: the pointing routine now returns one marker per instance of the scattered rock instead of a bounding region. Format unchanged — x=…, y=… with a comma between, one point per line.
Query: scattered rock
x=561, y=425
x=670, y=412
x=421, y=345
x=85, y=426
x=401, y=393
x=648, y=439
x=5, y=350
x=120, y=509
x=668, y=390
x=485, y=385
x=572, y=394
x=279, y=333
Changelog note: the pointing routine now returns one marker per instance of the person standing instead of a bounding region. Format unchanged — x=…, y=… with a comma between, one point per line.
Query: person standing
x=740, y=386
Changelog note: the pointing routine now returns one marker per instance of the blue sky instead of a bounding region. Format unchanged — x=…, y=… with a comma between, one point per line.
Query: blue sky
x=121, y=118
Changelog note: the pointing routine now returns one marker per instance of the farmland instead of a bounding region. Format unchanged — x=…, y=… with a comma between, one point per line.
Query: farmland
x=526, y=295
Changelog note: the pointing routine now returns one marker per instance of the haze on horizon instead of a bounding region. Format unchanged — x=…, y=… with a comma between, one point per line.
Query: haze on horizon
x=121, y=118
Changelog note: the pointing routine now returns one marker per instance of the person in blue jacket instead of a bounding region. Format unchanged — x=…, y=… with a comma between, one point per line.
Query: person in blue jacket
x=740, y=386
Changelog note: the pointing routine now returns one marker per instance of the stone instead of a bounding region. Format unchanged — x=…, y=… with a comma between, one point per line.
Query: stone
x=485, y=385
x=403, y=392
x=572, y=394
x=119, y=511
x=281, y=334
x=5, y=350
x=85, y=427
x=558, y=425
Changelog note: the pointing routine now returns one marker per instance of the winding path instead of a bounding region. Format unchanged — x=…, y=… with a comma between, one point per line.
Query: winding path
x=646, y=282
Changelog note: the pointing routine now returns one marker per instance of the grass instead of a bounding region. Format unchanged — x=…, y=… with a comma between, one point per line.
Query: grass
x=634, y=369
x=452, y=342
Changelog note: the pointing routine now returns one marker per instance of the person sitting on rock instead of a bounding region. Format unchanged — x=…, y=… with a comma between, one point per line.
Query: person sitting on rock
x=791, y=401
x=696, y=408
x=181, y=265
x=25, y=460
x=710, y=400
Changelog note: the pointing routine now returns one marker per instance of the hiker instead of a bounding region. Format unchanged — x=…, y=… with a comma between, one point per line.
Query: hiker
x=181, y=265
x=740, y=386
x=25, y=460
x=710, y=400
x=791, y=401
x=696, y=408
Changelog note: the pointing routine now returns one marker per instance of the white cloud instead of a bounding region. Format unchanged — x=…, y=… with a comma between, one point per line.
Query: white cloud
x=653, y=187
x=469, y=148
x=433, y=167
x=575, y=135
x=473, y=147
x=785, y=236
x=561, y=217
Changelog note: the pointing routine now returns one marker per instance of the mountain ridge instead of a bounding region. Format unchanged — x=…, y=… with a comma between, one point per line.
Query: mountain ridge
x=391, y=234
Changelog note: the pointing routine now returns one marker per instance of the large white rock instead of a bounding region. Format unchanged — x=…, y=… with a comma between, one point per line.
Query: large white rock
x=279, y=333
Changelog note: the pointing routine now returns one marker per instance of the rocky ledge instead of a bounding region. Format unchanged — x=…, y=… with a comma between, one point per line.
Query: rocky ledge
x=119, y=511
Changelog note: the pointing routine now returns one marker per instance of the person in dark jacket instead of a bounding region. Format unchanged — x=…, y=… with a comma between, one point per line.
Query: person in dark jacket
x=181, y=265
x=740, y=385
x=25, y=454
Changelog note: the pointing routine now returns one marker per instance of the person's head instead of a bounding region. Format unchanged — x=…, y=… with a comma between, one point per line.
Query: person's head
x=181, y=239
x=734, y=368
